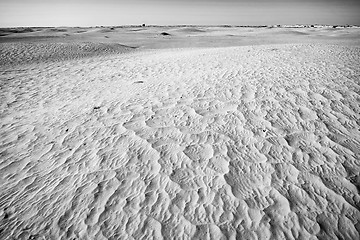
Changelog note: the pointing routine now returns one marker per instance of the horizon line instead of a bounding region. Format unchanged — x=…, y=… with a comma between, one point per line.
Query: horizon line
x=192, y=25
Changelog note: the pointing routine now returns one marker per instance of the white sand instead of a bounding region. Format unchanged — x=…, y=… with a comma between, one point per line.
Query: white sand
x=249, y=142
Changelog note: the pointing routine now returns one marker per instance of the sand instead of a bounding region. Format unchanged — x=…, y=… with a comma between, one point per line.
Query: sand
x=113, y=140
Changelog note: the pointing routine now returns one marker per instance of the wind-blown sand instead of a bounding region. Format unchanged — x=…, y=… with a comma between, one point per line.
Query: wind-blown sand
x=236, y=142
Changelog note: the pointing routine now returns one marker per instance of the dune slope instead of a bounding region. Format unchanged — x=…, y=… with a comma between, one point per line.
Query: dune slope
x=254, y=142
x=16, y=53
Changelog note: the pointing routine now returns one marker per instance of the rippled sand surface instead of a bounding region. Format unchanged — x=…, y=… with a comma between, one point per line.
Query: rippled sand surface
x=242, y=142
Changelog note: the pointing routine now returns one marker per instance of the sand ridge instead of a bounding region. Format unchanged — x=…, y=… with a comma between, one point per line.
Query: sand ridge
x=253, y=142
x=15, y=53
x=153, y=37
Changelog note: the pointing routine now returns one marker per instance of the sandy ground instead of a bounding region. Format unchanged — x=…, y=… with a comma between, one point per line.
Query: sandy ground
x=206, y=133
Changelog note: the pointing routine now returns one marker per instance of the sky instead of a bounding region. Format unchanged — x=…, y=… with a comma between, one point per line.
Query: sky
x=17, y=13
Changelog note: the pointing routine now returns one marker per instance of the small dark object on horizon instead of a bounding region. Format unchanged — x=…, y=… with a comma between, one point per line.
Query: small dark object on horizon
x=143, y=25
x=165, y=34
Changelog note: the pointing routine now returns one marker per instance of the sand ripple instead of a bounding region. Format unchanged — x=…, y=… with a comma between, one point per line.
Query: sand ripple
x=227, y=143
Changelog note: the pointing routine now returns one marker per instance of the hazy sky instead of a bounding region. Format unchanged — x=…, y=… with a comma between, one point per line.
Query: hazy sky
x=170, y=12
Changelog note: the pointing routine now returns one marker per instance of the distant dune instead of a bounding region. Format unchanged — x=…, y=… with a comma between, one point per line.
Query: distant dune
x=190, y=30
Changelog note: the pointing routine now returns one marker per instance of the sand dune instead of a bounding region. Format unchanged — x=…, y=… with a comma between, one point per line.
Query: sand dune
x=29, y=53
x=245, y=142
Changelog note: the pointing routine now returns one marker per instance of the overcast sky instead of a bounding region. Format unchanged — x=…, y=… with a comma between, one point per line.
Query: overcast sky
x=171, y=12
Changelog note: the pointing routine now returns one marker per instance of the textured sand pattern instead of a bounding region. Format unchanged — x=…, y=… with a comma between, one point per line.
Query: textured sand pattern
x=36, y=52
x=226, y=143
